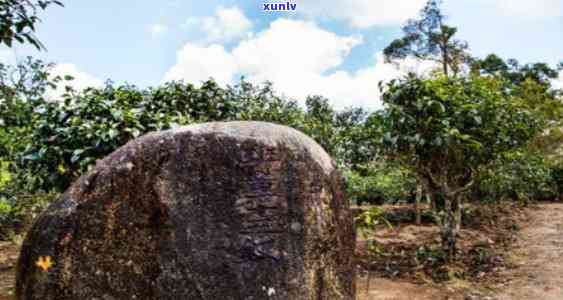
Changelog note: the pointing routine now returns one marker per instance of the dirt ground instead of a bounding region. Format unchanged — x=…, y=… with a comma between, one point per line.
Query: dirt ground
x=386, y=289
x=534, y=268
x=539, y=254
x=536, y=272
x=9, y=252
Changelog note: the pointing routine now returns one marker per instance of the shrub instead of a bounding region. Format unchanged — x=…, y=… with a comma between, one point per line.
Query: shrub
x=518, y=175
x=68, y=136
x=557, y=175
x=381, y=184
x=18, y=210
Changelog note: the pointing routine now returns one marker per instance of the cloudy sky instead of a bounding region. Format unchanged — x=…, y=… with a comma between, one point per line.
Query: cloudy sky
x=327, y=47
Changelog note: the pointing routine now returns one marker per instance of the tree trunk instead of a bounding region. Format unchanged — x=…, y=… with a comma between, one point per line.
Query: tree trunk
x=432, y=201
x=417, y=203
x=450, y=225
x=445, y=60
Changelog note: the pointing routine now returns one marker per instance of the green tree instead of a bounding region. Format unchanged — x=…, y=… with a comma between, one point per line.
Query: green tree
x=513, y=71
x=261, y=103
x=446, y=129
x=429, y=38
x=22, y=89
x=18, y=20
x=532, y=85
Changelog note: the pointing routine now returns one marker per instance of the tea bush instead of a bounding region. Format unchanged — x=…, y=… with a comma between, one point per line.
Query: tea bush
x=380, y=184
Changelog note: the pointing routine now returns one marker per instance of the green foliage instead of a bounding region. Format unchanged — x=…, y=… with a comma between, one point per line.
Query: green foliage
x=18, y=209
x=429, y=38
x=371, y=218
x=4, y=174
x=513, y=71
x=347, y=135
x=517, y=175
x=22, y=90
x=430, y=256
x=68, y=136
x=18, y=20
x=261, y=103
x=447, y=129
x=368, y=221
x=379, y=184
x=557, y=175
x=550, y=145
x=530, y=84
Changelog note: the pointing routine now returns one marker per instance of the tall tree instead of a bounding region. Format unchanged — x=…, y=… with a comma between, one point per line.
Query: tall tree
x=18, y=19
x=446, y=130
x=429, y=38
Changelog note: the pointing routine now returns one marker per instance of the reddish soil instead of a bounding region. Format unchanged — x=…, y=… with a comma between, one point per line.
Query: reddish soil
x=539, y=254
x=9, y=252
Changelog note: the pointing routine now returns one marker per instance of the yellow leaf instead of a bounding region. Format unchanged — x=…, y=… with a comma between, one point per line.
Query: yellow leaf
x=44, y=262
x=61, y=169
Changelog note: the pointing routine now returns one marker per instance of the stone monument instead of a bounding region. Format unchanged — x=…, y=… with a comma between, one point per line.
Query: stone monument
x=228, y=210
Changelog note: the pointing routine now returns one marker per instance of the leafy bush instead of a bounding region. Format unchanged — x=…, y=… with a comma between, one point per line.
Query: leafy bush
x=18, y=209
x=4, y=174
x=378, y=185
x=517, y=175
x=371, y=218
x=368, y=221
x=67, y=136
x=557, y=175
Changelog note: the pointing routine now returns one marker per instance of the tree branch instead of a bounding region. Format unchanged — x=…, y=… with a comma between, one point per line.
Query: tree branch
x=462, y=189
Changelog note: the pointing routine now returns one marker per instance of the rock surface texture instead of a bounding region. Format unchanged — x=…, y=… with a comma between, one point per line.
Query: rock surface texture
x=236, y=210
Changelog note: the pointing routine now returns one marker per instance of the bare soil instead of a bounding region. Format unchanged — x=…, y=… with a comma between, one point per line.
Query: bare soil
x=539, y=255
x=9, y=252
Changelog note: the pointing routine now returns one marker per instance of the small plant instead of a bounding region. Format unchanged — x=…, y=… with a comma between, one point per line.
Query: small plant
x=371, y=218
x=4, y=174
x=432, y=256
x=368, y=221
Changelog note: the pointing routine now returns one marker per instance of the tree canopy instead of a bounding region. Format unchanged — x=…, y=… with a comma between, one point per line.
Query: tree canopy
x=446, y=129
x=429, y=38
x=18, y=20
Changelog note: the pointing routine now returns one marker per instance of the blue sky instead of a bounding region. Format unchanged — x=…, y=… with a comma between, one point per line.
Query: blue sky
x=329, y=47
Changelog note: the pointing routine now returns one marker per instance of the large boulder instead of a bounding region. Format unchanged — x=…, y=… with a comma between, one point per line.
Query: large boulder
x=236, y=210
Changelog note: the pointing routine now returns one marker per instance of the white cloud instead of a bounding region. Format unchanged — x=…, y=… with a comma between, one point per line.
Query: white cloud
x=363, y=13
x=300, y=58
x=157, y=30
x=81, y=80
x=197, y=63
x=226, y=25
x=288, y=48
